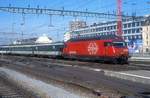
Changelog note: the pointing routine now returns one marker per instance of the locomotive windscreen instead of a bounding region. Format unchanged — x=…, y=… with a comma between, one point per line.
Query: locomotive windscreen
x=119, y=44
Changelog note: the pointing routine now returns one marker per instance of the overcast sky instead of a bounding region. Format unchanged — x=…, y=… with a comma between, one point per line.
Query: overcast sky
x=36, y=25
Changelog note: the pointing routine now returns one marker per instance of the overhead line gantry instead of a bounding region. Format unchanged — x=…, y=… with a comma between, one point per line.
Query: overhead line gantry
x=60, y=12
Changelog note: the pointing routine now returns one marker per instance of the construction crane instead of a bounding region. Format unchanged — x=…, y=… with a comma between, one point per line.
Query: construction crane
x=119, y=17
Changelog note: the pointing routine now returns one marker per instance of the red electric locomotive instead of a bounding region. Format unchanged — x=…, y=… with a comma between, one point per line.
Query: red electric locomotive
x=104, y=48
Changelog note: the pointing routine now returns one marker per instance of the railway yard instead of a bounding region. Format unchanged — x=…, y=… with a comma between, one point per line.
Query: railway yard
x=60, y=78
x=74, y=49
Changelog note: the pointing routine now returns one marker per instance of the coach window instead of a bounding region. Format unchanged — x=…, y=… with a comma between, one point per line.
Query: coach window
x=53, y=47
x=36, y=48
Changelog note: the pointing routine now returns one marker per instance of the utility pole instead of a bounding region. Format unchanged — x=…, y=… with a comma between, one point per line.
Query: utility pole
x=50, y=21
x=22, y=25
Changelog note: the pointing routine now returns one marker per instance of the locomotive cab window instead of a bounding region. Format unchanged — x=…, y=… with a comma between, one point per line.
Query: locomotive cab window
x=119, y=44
x=107, y=44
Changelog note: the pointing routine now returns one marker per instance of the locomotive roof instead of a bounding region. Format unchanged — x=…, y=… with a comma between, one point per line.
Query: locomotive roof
x=102, y=37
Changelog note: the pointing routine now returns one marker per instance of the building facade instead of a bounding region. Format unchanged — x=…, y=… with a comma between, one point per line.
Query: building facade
x=132, y=29
x=146, y=36
x=74, y=25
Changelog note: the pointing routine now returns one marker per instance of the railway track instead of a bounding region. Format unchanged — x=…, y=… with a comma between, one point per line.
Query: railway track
x=7, y=91
x=38, y=67
x=105, y=66
x=93, y=64
x=11, y=90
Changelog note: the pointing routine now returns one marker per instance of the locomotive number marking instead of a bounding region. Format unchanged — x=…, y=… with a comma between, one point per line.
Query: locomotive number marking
x=92, y=48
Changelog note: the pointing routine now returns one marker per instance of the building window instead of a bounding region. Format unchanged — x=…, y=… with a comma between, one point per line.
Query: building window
x=137, y=30
x=114, y=27
x=147, y=50
x=133, y=24
x=97, y=29
x=142, y=22
x=129, y=37
x=111, y=27
x=125, y=25
x=93, y=30
x=125, y=38
x=137, y=24
x=129, y=31
x=107, y=28
x=125, y=31
x=135, y=36
x=146, y=36
x=100, y=29
x=133, y=30
x=114, y=32
x=84, y=31
x=129, y=25
x=140, y=37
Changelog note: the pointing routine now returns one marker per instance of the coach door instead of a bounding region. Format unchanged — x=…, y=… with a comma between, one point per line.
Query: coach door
x=107, y=49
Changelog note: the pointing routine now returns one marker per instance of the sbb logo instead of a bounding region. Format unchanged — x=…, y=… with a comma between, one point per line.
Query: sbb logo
x=92, y=48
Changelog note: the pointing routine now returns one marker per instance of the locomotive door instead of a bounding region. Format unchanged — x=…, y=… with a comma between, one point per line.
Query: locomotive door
x=108, y=46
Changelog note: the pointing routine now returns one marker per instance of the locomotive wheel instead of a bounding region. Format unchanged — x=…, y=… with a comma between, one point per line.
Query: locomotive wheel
x=115, y=61
x=123, y=60
x=126, y=60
